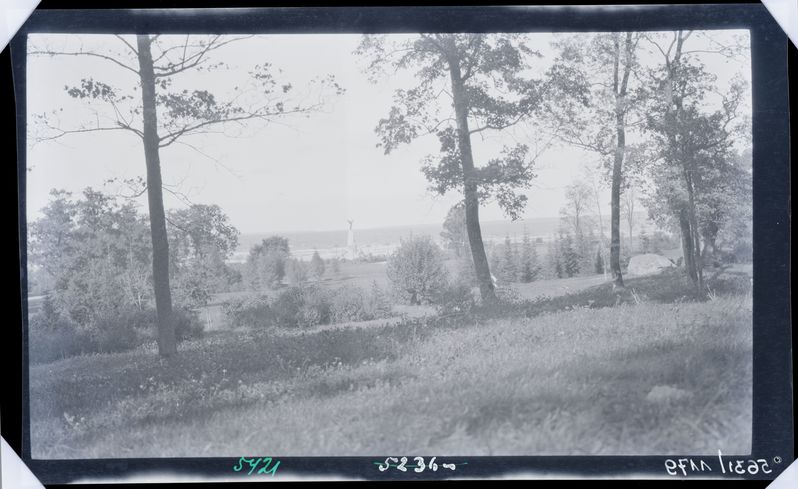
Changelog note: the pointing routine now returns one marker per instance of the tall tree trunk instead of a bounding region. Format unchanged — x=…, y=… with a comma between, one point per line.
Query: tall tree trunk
x=631, y=244
x=615, y=217
x=630, y=218
x=695, y=235
x=481, y=267
x=619, y=88
x=167, y=344
x=687, y=244
x=710, y=251
x=691, y=241
x=603, y=238
x=598, y=211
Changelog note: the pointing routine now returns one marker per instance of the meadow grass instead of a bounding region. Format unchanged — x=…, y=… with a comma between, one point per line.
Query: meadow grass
x=636, y=378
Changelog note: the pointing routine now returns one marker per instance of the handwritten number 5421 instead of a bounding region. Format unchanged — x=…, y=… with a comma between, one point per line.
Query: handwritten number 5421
x=266, y=465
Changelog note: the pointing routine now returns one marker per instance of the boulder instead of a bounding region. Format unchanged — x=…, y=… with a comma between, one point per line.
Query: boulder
x=647, y=264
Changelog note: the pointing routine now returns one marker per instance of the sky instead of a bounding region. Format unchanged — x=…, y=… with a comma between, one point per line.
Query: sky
x=297, y=173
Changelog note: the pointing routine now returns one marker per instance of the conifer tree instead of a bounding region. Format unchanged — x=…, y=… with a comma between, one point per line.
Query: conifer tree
x=316, y=265
x=530, y=268
x=553, y=264
x=570, y=258
x=599, y=262
x=508, y=269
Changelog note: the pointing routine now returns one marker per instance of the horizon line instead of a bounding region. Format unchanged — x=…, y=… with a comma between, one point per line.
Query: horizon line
x=371, y=228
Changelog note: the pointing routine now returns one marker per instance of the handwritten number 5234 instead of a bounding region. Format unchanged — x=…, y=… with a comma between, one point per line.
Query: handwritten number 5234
x=418, y=467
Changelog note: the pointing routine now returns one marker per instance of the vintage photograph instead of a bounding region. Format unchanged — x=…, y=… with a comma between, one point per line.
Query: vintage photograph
x=346, y=245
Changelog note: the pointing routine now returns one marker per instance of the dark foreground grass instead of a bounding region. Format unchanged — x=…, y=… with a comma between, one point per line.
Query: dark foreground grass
x=642, y=377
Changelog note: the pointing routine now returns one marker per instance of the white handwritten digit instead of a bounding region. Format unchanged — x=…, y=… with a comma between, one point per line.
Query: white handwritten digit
x=449, y=466
x=670, y=467
x=401, y=466
x=419, y=464
x=383, y=468
x=432, y=464
x=765, y=466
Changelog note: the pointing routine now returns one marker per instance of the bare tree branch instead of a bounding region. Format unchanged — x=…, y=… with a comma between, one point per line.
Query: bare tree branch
x=171, y=137
x=64, y=132
x=195, y=59
x=85, y=53
x=130, y=46
x=217, y=161
x=498, y=127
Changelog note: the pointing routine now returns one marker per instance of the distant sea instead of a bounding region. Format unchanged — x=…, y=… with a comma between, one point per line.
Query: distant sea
x=381, y=241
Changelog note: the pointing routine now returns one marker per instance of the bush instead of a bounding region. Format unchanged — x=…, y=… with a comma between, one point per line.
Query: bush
x=729, y=284
x=315, y=309
x=377, y=303
x=187, y=325
x=455, y=299
x=112, y=333
x=508, y=295
x=130, y=328
x=51, y=338
x=286, y=307
x=303, y=307
x=416, y=270
x=297, y=272
x=249, y=311
x=350, y=303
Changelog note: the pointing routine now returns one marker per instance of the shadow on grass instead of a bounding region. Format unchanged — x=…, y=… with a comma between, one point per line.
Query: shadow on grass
x=215, y=363
x=670, y=286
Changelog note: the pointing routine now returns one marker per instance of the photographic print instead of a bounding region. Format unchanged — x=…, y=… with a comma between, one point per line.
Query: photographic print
x=461, y=244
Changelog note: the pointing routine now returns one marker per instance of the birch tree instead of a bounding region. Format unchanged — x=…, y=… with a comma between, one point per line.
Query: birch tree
x=593, y=107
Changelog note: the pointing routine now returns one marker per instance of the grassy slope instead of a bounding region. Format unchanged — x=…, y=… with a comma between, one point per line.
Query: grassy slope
x=577, y=381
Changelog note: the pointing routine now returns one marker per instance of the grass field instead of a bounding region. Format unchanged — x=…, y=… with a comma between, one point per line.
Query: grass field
x=559, y=377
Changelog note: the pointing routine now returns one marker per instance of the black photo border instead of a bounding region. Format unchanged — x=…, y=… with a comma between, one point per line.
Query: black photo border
x=772, y=430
